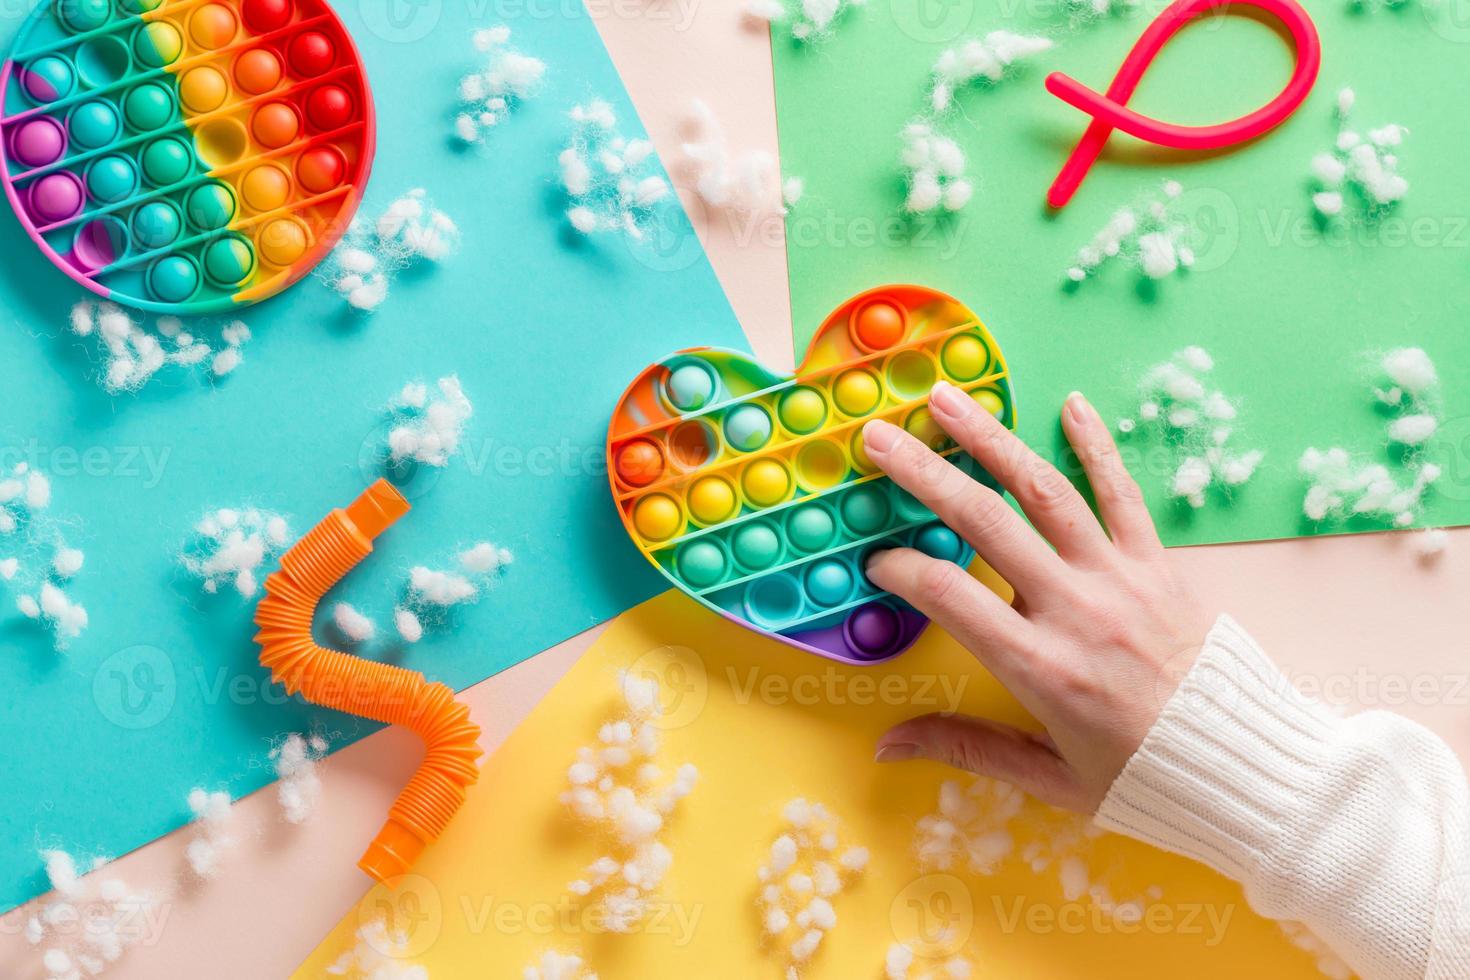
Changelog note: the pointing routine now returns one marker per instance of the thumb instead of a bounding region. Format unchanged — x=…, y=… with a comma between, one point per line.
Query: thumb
x=986, y=748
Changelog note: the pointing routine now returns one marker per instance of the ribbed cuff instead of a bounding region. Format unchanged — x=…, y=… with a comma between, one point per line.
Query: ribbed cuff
x=1220, y=774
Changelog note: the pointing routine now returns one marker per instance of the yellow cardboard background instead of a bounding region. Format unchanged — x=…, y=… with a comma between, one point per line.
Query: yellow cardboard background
x=765, y=723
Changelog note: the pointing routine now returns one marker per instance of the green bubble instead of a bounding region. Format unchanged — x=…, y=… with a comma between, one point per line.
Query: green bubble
x=229, y=261
x=865, y=510
x=810, y=528
x=756, y=546
x=148, y=107
x=167, y=161
x=211, y=206
x=701, y=563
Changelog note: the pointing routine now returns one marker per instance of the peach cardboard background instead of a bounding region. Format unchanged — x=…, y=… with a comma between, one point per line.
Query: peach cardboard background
x=1357, y=615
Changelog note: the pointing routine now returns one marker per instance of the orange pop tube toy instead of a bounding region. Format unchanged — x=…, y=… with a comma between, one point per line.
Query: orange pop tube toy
x=361, y=687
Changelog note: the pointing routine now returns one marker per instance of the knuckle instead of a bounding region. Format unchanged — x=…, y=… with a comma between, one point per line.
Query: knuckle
x=981, y=515
x=1047, y=486
x=938, y=581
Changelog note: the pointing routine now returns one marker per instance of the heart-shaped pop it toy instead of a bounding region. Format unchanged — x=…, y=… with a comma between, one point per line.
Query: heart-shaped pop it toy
x=185, y=156
x=751, y=492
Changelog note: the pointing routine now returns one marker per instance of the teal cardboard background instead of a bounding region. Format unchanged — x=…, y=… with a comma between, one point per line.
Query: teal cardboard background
x=163, y=692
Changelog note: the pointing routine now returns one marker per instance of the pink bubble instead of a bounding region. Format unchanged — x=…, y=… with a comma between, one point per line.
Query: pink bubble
x=56, y=197
x=38, y=142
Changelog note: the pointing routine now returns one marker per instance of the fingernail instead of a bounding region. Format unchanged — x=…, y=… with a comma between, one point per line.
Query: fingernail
x=1080, y=409
x=879, y=436
x=896, y=752
x=948, y=400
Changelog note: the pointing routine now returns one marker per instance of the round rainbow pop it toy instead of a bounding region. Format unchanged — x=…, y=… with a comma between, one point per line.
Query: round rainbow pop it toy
x=185, y=156
x=750, y=490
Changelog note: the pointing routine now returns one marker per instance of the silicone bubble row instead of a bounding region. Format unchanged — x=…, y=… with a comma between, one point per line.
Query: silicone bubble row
x=826, y=584
x=853, y=517
x=801, y=412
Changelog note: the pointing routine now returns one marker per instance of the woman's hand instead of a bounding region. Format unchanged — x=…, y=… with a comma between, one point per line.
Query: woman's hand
x=1101, y=631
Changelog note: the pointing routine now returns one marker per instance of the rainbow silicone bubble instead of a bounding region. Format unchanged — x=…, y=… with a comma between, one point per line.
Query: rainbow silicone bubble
x=185, y=156
x=750, y=490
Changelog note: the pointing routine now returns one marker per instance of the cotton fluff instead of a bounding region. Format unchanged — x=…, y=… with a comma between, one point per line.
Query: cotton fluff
x=432, y=591
x=39, y=583
x=229, y=546
x=742, y=182
x=1366, y=164
x=1150, y=235
x=1196, y=423
x=983, y=823
x=212, y=819
x=982, y=59
x=610, y=180
x=489, y=93
x=299, y=788
x=114, y=916
x=805, y=871
x=616, y=787
x=1341, y=486
x=352, y=624
x=900, y=961
x=132, y=353
x=410, y=230
x=425, y=428
x=1430, y=543
x=558, y=966
x=934, y=170
x=378, y=954
x=1328, y=963
x=807, y=20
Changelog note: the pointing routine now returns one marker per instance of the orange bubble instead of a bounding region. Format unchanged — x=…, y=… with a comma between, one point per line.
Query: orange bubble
x=321, y=168
x=878, y=325
x=275, y=124
x=265, y=188
x=258, y=71
x=282, y=241
x=639, y=463
x=203, y=89
x=212, y=26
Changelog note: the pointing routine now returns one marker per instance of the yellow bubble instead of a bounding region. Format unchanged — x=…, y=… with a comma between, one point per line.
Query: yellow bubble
x=820, y=465
x=964, y=357
x=990, y=400
x=766, y=482
x=657, y=517
x=266, y=187
x=282, y=241
x=856, y=392
x=711, y=500
x=203, y=89
x=921, y=426
x=860, y=458
x=802, y=410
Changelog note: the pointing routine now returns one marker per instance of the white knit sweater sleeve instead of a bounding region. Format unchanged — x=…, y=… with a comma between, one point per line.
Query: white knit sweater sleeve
x=1358, y=827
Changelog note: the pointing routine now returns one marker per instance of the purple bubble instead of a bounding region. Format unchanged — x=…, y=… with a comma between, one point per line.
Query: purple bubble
x=56, y=197
x=873, y=629
x=38, y=142
x=101, y=242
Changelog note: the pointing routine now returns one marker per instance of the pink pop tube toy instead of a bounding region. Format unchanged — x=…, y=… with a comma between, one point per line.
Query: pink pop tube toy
x=1111, y=112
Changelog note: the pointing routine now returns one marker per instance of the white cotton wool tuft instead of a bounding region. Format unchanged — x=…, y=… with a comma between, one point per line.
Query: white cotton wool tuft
x=984, y=59
x=409, y=627
x=630, y=804
x=132, y=353
x=408, y=232
x=552, y=965
x=802, y=875
x=430, y=592
x=1368, y=166
x=489, y=93
x=934, y=170
x=609, y=179
x=1149, y=234
x=92, y=923
x=230, y=545
x=743, y=182
x=378, y=953
x=299, y=788
x=212, y=819
x=1196, y=424
x=352, y=624
x=428, y=430
x=806, y=20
